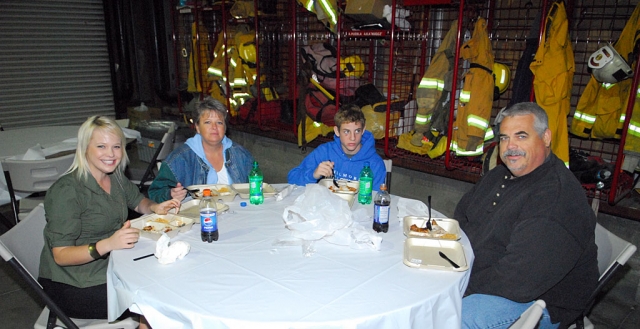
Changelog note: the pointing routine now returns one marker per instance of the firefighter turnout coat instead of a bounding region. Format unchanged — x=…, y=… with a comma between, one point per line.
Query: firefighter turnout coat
x=476, y=98
x=553, y=67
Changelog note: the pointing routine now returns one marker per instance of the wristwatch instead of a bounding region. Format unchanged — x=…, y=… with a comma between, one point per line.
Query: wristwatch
x=93, y=251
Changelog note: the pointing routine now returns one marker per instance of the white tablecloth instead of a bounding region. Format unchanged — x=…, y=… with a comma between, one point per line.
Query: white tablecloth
x=244, y=281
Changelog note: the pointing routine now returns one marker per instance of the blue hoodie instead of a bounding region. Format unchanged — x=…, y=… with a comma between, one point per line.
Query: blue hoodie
x=345, y=167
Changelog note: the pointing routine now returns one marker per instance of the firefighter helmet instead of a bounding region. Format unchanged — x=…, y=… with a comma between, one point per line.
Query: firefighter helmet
x=502, y=75
x=352, y=66
x=247, y=52
x=608, y=66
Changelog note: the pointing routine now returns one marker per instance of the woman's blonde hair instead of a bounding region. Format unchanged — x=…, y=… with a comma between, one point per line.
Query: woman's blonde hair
x=104, y=124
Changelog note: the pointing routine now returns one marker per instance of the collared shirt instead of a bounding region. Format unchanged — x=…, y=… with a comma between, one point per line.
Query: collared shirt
x=80, y=212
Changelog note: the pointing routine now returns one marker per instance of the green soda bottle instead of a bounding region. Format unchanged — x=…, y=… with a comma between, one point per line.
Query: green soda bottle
x=255, y=185
x=366, y=184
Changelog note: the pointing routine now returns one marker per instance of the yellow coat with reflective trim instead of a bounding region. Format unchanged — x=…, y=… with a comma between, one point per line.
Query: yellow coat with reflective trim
x=474, y=116
x=553, y=67
x=599, y=109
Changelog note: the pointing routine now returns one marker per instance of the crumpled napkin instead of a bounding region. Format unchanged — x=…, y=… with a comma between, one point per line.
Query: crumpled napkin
x=411, y=207
x=169, y=253
x=284, y=192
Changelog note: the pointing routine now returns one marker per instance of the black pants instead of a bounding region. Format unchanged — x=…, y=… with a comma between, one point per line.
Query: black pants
x=81, y=303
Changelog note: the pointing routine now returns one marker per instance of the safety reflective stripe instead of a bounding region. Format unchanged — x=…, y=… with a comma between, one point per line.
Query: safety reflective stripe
x=317, y=124
x=233, y=62
x=238, y=95
x=622, y=117
x=214, y=71
x=488, y=135
x=634, y=128
x=423, y=119
x=478, y=122
x=326, y=6
x=239, y=82
x=463, y=152
x=309, y=5
x=607, y=85
x=465, y=96
x=431, y=83
x=584, y=117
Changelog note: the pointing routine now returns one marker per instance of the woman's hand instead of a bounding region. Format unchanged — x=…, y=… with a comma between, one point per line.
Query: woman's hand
x=124, y=238
x=178, y=192
x=163, y=208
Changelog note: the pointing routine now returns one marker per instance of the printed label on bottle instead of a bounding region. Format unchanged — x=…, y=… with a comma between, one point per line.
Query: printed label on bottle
x=209, y=221
x=381, y=214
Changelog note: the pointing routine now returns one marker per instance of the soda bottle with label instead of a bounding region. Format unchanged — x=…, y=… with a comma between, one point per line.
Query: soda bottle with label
x=208, y=217
x=255, y=185
x=381, y=209
x=366, y=184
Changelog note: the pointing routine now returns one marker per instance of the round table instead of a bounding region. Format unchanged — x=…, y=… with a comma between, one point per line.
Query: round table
x=243, y=280
x=18, y=141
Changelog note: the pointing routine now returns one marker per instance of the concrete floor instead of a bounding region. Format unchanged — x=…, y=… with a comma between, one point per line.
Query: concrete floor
x=617, y=308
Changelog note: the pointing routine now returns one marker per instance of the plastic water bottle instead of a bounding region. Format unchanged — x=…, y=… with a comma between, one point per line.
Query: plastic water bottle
x=255, y=185
x=381, y=208
x=366, y=184
x=208, y=217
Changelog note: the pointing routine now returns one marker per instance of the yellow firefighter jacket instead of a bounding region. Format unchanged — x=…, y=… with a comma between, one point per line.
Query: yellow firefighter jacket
x=199, y=57
x=325, y=10
x=601, y=108
x=476, y=98
x=553, y=67
x=432, y=85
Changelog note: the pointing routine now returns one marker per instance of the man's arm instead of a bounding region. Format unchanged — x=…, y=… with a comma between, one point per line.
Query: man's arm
x=303, y=174
x=539, y=254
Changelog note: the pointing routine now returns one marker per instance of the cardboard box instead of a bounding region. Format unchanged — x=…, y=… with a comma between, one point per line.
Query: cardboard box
x=136, y=116
x=367, y=11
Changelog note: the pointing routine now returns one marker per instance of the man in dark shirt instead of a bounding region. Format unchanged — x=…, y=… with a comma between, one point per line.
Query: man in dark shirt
x=531, y=230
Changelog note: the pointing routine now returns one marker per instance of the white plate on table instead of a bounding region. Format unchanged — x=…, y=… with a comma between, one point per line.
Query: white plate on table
x=152, y=226
x=218, y=191
x=424, y=254
x=243, y=190
x=191, y=209
x=451, y=226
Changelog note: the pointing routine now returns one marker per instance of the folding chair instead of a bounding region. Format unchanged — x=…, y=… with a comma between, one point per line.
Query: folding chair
x=21, y=247
x=613, y=253
x=163, y=150
x=531, y=316
x=32, y=176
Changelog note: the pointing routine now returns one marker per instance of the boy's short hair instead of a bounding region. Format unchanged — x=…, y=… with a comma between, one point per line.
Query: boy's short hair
x=349, y=113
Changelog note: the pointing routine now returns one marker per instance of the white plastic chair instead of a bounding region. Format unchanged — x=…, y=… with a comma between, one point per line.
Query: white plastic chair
x=531, y=316
x=163, y=150
x=613, y=253
x=32, y=176
x=21, y=247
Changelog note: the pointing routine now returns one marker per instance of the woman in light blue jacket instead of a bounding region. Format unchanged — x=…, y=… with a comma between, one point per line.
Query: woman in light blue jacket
x=207, y=158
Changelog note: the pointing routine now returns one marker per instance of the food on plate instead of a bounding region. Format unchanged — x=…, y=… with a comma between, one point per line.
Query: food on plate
x=224, y=190
x=342, y=188
x=177, y=223
x=161, y=220
x=436, y=231
x=150, y=228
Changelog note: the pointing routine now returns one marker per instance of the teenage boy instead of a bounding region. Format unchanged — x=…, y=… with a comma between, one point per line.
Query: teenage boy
x=345, y=156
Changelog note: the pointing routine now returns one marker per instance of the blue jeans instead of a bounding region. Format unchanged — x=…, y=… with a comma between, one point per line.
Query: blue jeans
x=493, y=312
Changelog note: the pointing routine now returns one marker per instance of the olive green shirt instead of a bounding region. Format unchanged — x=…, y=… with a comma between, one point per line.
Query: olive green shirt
x=80, y=212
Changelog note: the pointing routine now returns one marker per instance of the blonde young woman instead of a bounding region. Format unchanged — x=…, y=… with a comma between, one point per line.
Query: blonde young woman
x=86, y=212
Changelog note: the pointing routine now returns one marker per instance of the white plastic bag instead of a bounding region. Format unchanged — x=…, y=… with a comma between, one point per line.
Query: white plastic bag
x=319, y=214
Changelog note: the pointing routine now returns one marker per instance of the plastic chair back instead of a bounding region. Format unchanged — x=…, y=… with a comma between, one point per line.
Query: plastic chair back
x=531, y=316
x=36, y=175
